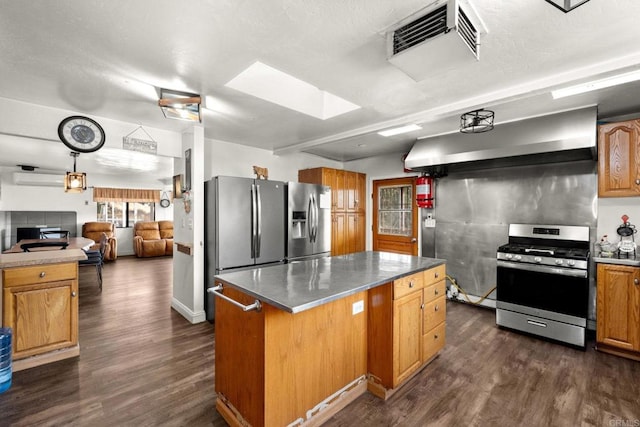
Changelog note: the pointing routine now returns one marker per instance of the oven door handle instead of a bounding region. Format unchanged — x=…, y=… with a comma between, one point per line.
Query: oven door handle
x=543, y=269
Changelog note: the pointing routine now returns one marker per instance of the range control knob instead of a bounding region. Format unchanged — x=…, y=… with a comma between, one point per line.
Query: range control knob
x=559, y=261
x=517, y=257
x=537, y=259
x=571, y=262
x=509, y=256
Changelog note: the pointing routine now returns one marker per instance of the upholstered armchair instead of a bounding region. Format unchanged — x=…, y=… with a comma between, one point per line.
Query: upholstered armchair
x=94, y=230
x=153, y=238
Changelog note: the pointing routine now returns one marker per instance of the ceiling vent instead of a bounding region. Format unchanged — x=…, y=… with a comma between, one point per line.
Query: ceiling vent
x=436, y=39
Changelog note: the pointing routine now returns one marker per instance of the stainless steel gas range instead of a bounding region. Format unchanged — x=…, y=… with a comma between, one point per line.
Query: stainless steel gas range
x=543, y=281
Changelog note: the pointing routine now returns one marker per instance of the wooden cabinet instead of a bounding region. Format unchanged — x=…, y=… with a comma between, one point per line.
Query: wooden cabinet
x=619, y=159
x=618, y=310
x=348, y=206
x=406, y=328
x=40, y=305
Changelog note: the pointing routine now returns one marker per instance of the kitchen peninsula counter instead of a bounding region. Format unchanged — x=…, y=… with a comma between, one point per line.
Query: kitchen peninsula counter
x=39, y=302
x=322, y=330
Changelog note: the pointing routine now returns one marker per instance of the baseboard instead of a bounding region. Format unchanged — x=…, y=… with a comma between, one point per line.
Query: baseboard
x=187, y=313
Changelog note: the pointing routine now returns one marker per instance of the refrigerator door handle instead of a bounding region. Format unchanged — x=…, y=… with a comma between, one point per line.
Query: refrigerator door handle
x=315, y=218
x=254, y=220
x=310, y=218
x=259, y=221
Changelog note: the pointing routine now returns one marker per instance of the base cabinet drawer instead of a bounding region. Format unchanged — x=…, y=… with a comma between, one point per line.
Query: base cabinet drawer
x=433, y=341
x=435, y=313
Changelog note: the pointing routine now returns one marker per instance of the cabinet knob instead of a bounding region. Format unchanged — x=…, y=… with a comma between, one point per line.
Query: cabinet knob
x=422, y=306
x=635, y=281
x=435, y=337
x=73, y=293
x=42, y=274
x=637, y=181
x=436, y=291
x=411, y=284
x=436, y=308
x=437, y=275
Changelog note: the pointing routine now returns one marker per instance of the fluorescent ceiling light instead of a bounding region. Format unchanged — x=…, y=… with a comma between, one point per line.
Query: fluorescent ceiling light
x=399, y=130
x=596, y=84
x=269, y=84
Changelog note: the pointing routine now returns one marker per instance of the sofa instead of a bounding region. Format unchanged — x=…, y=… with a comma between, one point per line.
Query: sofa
x=153, y=238
x=94, y=230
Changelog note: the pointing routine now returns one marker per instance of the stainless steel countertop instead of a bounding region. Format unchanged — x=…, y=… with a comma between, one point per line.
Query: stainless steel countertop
x=303, y=285
x=633, y=262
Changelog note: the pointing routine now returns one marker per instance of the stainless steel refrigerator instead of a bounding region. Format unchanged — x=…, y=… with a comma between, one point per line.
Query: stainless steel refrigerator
x=245, y=222
x=309, y=221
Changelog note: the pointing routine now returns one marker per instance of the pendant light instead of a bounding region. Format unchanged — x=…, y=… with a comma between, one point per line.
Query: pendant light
x=75, y=182
x=477, y=121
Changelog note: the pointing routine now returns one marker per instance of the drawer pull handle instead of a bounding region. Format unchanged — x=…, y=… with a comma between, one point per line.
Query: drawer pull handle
x=42, y=274
x=411, y=284
x=436, y=308
x=436, y=292
x=435, y=337
x=217, y=290
x=73, y=294
x=534, y=323
x=437, y=275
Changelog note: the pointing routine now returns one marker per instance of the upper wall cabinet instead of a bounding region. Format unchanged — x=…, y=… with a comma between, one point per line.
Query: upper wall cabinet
x=619, y=159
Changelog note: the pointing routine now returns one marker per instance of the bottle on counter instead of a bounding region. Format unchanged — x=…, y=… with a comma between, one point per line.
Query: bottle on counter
x=5, y=359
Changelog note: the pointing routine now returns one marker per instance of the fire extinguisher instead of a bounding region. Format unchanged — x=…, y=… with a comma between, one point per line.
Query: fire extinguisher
x=424, y=192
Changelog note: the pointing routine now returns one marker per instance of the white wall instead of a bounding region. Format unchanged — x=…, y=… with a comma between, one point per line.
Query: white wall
x=610, y=211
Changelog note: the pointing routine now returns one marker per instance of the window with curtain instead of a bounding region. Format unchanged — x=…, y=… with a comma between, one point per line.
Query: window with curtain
x=125, y=206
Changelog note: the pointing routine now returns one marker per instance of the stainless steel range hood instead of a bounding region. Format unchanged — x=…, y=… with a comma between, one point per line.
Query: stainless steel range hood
x=559, y=137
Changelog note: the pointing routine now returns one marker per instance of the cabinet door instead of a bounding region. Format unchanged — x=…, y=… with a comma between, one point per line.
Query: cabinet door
x=407, y=336
x=44, y=317
x=351, y=184
x=355, y=233
x=340, y=202
x=361, y=193
x=618, y=306
x=619, y=159
x=338, y=234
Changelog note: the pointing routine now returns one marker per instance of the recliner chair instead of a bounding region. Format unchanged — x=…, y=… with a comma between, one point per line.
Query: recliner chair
x=153, y=238
x=94, y=230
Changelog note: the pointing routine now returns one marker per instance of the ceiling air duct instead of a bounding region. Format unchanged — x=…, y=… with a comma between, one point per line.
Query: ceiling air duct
x=440, y=37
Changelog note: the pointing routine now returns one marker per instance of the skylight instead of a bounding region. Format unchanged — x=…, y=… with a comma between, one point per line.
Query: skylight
x=269, y=84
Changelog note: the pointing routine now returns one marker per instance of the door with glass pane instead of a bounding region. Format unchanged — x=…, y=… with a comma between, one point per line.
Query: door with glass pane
x=395, y=216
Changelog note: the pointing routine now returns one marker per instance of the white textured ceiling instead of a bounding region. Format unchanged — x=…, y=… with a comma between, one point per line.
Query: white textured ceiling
x=93, y=57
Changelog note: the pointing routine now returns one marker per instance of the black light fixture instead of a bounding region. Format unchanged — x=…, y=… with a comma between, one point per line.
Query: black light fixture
x=180, y=105
x=477, y=121
x=75, y=182
x=567, y=5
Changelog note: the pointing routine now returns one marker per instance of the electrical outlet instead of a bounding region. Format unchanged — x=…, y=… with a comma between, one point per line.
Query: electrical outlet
x=429, y=223
x=358, y=307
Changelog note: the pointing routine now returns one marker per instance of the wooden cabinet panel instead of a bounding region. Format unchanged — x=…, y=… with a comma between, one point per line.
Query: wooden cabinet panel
x=618, y=307
x=435, y=274
x=408, y=284
x=356, y=227
x=434, y=291
x=406, y=329
x=41, y=308
x=340, y=185
x=434, y=313
x=433, y=341
x=338, y=234
x=407, y=336
x=619, y=159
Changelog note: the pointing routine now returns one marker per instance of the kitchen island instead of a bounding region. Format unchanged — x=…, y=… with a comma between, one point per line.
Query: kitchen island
x=317, y=334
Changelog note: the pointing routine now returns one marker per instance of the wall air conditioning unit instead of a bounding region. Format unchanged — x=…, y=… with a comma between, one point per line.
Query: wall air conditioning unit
x=439, y=38
x=38, y=179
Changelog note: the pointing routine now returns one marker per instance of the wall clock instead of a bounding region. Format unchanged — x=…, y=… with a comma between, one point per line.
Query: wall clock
x=81, y=134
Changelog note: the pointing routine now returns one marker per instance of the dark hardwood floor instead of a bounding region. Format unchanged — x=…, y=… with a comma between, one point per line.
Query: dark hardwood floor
x=142, y=364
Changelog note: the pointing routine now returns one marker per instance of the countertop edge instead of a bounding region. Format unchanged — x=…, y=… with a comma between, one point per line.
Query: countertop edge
x=617, y=261
x=25, y=259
